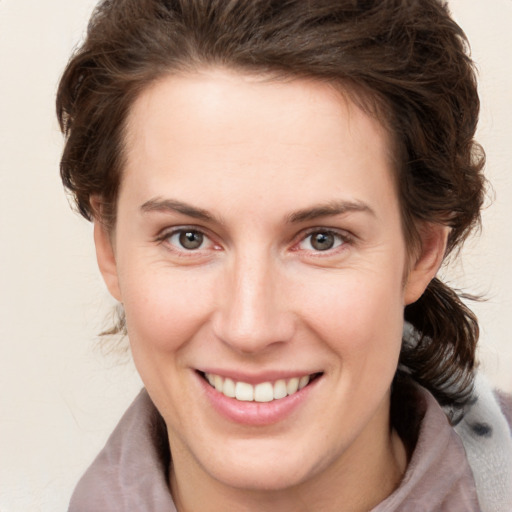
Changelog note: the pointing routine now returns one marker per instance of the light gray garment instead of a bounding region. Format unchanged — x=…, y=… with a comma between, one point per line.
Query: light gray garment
x=485, y=433
x=438, y=477
x=130, y=473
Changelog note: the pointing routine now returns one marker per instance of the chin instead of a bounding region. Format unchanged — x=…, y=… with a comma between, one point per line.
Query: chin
x=273, y=479
x=257, y=471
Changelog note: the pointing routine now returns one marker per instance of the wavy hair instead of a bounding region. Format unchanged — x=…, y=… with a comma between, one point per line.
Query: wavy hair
x=405, y=61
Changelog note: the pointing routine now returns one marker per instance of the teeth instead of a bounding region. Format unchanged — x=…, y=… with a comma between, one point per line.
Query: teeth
x=280, y=390
x=244, y=392
x=229, y=388
x=292, y=386
x=217, y=382
x=263, y=392
x=303, y=382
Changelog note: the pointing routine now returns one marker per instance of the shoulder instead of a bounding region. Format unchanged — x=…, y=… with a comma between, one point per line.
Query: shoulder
x=130, y=473
x=485, y=431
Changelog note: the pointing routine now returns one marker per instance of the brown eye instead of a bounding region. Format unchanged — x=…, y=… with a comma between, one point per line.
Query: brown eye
x=191, y=240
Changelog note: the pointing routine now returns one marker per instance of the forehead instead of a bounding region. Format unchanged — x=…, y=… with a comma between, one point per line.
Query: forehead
x=259, y=98
x=220, y=129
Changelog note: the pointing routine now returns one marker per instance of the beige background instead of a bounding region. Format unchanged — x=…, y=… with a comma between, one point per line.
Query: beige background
x=60, y=396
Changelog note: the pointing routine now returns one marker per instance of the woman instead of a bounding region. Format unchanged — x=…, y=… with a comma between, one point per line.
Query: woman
x=274, y=186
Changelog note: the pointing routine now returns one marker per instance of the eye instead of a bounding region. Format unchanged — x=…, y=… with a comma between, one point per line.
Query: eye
x=321, y=241
x=188, y=239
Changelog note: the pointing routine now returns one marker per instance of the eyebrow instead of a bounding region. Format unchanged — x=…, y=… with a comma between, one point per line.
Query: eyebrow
x=172, y=206
x=328, y=210
x=331, y=208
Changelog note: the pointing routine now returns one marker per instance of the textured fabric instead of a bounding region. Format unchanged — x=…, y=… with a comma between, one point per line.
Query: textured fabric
x=438, y=477
x=486, y=435
x=130, y=472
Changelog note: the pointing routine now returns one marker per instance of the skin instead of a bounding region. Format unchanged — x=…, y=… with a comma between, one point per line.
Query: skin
x=269, y=163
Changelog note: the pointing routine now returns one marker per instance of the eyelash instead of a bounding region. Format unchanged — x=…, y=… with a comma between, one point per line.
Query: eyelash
x=165, y=236
x=343, y=238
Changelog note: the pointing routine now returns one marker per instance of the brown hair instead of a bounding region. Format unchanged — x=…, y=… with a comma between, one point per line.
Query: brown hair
x=408, y=56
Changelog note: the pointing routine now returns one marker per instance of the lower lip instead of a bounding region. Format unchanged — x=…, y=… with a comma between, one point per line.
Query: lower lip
x=256, y=413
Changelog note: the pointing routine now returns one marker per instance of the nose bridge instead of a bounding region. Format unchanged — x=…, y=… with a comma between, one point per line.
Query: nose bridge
x=252, y=316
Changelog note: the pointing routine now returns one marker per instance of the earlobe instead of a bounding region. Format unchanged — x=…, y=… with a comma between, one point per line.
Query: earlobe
x=106, y=257
x=425, y=265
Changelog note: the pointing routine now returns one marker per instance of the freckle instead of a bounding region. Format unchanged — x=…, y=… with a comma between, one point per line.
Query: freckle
x=482, y=429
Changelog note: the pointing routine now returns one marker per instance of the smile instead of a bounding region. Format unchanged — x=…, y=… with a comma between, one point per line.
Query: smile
x=262, y=392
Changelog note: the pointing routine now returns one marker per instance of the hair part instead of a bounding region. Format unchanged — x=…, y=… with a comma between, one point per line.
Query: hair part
x=405, y=61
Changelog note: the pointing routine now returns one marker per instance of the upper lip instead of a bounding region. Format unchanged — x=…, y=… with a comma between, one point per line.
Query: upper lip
x=257, y=378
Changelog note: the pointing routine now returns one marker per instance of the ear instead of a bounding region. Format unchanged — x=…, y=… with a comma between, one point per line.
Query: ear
x=425, y=263
x=105, y=253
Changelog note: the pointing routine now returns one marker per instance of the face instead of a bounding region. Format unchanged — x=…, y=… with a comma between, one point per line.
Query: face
x=259, y=256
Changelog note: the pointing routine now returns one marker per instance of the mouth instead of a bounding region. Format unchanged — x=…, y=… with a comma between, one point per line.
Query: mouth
x=268, y=391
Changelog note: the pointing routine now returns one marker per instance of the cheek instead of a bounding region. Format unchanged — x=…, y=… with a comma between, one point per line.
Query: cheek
x=163, y=309
x=361, y=318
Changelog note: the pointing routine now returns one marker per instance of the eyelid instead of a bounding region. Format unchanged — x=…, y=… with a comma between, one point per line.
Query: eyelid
x=166, y=233
x=346, y=237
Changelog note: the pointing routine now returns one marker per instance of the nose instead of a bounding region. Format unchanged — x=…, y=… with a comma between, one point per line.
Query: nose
x=253, y=313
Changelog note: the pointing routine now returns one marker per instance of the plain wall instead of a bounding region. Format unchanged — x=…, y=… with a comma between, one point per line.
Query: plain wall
x=60, y=395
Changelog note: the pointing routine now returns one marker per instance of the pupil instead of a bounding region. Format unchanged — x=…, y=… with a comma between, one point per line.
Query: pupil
x=322, y=241
x=191, y=239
